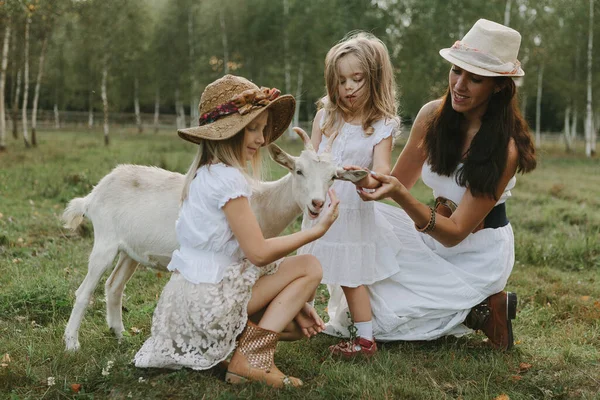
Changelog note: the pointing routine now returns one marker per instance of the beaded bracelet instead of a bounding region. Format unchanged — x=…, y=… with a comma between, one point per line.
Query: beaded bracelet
x=430, y=225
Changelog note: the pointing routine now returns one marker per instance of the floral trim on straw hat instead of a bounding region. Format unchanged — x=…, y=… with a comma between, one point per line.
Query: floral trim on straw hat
x=230, y=103
x=488, y=49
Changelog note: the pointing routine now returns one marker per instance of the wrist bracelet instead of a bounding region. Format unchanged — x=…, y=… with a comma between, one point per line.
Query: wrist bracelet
x=430, y=225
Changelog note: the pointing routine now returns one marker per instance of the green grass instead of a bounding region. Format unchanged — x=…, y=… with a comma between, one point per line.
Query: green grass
x=554, y=212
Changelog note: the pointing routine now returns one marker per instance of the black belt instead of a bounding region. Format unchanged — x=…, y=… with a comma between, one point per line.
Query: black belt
x=497, y=217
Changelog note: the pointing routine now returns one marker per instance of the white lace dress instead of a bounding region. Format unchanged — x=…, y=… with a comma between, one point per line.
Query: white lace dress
x=203, y=307
x=435, y=286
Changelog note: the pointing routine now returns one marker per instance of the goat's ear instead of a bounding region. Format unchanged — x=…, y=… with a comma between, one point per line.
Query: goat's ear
x=351, y=176
x=281, y=157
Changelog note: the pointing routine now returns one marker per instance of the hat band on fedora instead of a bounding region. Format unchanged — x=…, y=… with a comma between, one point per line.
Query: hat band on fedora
x=483, y=60
x=242, y=103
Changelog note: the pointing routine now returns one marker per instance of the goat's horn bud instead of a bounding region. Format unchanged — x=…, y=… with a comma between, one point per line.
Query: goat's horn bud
x=304, y=136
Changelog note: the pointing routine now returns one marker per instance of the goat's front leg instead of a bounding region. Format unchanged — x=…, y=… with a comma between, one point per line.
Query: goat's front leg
x=101, y=259
x=114, y=287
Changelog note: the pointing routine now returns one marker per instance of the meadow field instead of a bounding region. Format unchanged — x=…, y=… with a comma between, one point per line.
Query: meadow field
x=555, y=212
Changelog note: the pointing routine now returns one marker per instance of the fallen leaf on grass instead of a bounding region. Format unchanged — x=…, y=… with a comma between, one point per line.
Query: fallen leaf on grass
x=135, y=330
x=518, y=342
x=597, y=304
x=5, y=360
x=585, y=298
x=524, y=367
x=502, y=397
x=76, y=387
x=159, y=275
x=516, y=377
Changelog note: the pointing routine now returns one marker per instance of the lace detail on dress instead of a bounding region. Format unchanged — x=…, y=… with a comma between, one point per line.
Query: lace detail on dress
x=196, y=325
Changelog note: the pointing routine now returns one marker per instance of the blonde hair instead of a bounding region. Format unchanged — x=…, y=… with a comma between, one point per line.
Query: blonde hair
x=380, y=101
x=229, y=152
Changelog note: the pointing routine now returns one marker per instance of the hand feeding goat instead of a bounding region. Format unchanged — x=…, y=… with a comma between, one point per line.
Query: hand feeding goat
x=134, y=208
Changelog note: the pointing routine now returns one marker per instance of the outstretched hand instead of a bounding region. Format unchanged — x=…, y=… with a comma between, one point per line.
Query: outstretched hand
x=388, y=186
x=331, y=213
x=368, y=182
x=309, y=321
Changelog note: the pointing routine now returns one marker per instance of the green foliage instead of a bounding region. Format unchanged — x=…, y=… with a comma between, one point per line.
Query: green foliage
x=553, y=212
x=180, y=45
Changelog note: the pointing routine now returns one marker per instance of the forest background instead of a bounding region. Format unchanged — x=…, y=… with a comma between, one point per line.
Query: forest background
x=146, y=62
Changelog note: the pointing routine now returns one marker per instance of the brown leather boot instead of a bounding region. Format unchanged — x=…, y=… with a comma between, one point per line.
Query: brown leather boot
x=493, y=316
x=253, y=359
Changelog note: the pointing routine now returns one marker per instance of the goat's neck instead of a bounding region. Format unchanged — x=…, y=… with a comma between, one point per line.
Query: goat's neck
x=274, y=205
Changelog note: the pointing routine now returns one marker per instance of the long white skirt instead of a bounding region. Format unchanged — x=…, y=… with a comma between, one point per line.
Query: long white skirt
x=196, y=325
x=435, y=287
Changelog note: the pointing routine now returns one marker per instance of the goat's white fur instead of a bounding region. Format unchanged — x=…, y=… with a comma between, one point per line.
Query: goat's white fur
x=134, y=208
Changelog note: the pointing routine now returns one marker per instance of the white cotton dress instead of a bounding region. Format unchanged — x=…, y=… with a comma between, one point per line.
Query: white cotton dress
x=203, y=307
x=360, y=247
x=435, y=286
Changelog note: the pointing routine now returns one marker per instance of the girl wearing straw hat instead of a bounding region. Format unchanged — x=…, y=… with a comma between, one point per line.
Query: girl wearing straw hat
x=225, y=270
x=467, y=147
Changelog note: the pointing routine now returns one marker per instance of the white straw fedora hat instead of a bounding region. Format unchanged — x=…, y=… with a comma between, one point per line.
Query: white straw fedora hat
x=229, y=104
x=488, y=49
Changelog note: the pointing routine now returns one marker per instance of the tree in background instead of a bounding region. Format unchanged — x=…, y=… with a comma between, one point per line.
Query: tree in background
x=156, y=56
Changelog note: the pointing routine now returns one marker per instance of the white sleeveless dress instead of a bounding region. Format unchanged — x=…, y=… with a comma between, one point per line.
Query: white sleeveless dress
x=435, y=286
x=360, y=247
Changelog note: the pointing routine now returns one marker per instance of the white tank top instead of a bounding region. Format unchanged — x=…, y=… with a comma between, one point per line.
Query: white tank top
x=447, y=187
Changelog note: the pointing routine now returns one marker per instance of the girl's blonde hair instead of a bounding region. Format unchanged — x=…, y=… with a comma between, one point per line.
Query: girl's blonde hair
x=380, y=100
x=229, y=152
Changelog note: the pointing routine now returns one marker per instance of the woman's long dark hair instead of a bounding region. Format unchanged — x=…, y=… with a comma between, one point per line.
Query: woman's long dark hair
x=485, y=160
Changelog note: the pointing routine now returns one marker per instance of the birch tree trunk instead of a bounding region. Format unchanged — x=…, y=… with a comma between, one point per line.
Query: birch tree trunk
x=567, y=130
x=2, y=83
x=574, y=123
x=589, y=123
x=194, y=100
x=538, y=107
x=299, y=93
x=26, y=84
x=224, y=41
x=287, y=65
x=136, y=104
x=179, y=111
x=156, y=109
x=15, y=89
x=507, y=12
x=36, y=96
x=56, y=117
x=90, y=109
x=105, y=100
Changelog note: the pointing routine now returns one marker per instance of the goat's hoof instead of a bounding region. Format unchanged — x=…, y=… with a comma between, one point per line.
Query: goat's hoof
x=119, y=332
x=71, y=344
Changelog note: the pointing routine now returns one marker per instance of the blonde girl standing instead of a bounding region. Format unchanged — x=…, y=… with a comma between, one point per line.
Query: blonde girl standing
x=225, y=271
x=356, y=125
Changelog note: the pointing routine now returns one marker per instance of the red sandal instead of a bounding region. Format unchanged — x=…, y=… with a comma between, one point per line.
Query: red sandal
x=350, y=349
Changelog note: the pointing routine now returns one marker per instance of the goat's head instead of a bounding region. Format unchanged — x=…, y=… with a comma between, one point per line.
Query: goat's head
x=312, y=174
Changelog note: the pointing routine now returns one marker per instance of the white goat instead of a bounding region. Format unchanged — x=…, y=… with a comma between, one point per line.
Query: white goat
x=134, y=209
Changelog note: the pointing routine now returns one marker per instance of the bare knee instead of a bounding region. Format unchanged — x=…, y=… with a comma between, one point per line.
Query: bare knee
x=313, y=268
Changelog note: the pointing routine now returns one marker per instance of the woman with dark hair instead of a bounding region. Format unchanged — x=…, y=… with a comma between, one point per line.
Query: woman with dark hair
x=458, y=255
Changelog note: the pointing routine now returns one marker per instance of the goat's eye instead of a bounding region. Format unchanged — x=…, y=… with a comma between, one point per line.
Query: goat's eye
x=332, y=177
x=300, y=173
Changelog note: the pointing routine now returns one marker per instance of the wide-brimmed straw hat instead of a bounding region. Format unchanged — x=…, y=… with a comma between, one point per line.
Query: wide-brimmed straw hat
x=488, y=49
x=230, y=103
